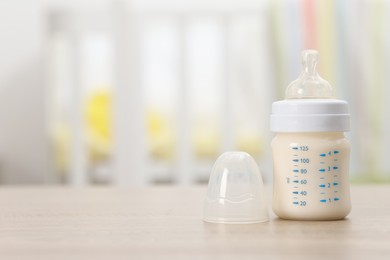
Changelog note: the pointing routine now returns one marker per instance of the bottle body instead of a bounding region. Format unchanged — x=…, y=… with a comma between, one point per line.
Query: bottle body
x=311, y=175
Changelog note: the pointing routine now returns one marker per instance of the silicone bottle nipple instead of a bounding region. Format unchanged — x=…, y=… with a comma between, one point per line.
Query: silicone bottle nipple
x=309, y=84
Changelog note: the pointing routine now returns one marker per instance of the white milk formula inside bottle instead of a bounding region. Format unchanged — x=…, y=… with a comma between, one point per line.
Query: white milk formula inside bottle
x=310, y=151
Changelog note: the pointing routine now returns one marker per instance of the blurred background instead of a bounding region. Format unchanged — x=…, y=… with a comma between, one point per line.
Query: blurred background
x=147, y=92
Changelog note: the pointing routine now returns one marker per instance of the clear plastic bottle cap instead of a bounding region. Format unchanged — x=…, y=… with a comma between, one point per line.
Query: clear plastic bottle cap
x=235, y=191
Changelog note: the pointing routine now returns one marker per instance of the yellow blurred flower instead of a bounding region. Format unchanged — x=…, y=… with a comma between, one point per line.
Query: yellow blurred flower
x=98, y=114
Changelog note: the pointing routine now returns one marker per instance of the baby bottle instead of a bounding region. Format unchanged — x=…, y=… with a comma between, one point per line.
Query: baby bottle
x=310, y=151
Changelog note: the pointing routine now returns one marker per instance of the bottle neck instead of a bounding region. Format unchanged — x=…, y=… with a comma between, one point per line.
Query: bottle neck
x=309, y=116
x=315, y=134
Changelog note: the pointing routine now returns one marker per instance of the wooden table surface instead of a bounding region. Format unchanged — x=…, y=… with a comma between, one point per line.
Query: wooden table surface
x=165, y=223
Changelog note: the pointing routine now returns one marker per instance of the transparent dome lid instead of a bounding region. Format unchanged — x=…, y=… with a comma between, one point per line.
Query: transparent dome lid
x=235, y=192
x=309, y=84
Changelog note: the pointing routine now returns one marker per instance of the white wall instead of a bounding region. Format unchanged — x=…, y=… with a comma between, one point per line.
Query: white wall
x=23, y=145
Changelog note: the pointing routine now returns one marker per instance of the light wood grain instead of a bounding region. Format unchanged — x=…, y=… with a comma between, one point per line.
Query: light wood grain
x=165, y=223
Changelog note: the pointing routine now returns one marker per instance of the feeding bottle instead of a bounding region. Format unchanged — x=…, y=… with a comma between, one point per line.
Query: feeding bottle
x=310, y=151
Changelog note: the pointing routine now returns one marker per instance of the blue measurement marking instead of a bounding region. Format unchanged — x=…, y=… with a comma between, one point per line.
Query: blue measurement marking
x=295, y=192
x=335, y=167
x=322, y=193
x=322, y=185
x=295, y=202
x=322, y=170
x=336, y=199
x=323, y=154
x=335, y=152
x=296, y=181
x=295, y=170
x=335, y=183
x=322, y=162
x=295, y=160
x=322, y=200
x=295, y=148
